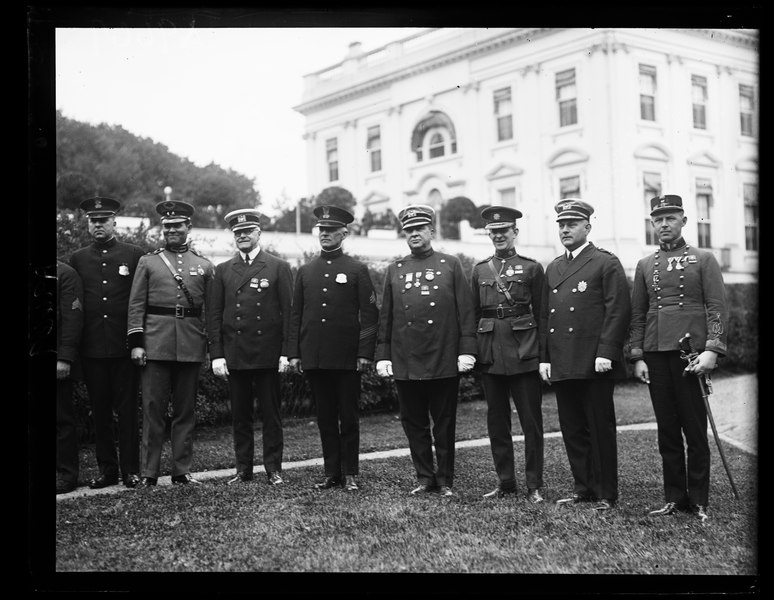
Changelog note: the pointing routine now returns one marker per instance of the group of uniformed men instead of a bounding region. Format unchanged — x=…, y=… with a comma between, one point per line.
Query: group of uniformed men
x=515, y=323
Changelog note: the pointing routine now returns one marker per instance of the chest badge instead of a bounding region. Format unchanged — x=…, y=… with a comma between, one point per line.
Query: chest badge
x=429, y=275
x=582, y=285
x=254, y=283
x=341, y=278
x=123, y=270
x=509, y=271
x=264, y=283
x=200, y=270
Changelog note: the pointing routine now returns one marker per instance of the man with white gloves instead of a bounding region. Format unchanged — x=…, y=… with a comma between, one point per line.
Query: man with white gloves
x=248, y=317
x=426, y=338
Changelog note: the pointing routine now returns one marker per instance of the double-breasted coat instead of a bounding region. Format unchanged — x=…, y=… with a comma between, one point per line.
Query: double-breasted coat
x=248, y=311
x=585, y=313
x=427, y=317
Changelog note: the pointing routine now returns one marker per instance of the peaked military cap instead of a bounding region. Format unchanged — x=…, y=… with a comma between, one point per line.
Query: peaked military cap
x=572, y=209
x=665, y=203
x=99, y=207
x=416, y=214
x=174, y=211
x=243, y=218
x=332, y=216
x=497, y=217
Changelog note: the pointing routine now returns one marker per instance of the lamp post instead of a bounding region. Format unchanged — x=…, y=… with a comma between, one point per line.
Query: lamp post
x=168, y=193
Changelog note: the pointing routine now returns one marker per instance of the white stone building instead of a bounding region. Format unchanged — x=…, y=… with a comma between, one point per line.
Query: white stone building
x=525, y=117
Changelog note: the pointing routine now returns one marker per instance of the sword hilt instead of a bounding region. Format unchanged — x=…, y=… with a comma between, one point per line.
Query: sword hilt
x=687, y=353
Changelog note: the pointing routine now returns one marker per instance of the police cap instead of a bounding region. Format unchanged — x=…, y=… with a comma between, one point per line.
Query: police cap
x=571, y=209
x=332, y=216
x=100, y=207
x=243, y=218
x=416, y=215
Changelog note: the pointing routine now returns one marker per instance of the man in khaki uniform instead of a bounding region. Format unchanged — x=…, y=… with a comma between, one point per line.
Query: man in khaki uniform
x=168, y=340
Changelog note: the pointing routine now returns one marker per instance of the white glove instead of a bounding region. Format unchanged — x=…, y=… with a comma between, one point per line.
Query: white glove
x=545, y=372
x=219, y=368
x=465, y=362
x=384, y=368
x=284, y=365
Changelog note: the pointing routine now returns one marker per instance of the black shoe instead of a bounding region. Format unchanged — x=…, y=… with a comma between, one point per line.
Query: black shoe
x=240, y=477
x=103, y=481
x=328, y=483
x=274, y=478
x=499, y=492
x=575, y=499
x=445, y=490
x=670, y=508
x=185, y=480
x=422, y=489
x=534, y=496
x=147, y=482
x=350, y=484
x=604, y=504
x=64, y=487
x=700, y=511
x=132, y=480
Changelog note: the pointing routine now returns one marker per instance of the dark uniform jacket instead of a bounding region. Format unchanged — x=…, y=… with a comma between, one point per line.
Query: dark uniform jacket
x=508, y=340
x=69, y=314
x=106, y=271
x=334, y=314
x=667, y=304
x=248, y=312
x=164, y=336
x=427, y=317
x=585, y=314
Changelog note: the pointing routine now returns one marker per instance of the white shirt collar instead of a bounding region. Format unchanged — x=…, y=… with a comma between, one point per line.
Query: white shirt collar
x=253, y=253
x=577, y=251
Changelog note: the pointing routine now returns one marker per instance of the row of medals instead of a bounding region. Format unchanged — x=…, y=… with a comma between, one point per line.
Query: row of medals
x=673, y=262
x=429, y=276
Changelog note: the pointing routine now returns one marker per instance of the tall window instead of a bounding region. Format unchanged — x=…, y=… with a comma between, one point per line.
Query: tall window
x=647, y=93
x=651, y=184
x=503, y=114
x=750, y=193
x=703, y=206
x=566, y=96
x=332, y=157
x=508, y=197
x=374, y=147
x=569, y=187
x=699, y=99
x=435, y=147
x=746, y=106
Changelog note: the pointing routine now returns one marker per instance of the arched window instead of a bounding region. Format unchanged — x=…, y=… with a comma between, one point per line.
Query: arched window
x=434, y=136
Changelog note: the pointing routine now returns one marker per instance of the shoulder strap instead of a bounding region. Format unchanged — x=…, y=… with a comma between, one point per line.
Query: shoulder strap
x=179, y=279
x=499, y=283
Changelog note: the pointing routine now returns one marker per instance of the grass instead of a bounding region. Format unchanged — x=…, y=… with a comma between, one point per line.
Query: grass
x=292, y=528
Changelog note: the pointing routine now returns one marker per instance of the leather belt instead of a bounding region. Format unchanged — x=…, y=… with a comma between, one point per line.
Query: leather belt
x=501, y=312
x=178, y=311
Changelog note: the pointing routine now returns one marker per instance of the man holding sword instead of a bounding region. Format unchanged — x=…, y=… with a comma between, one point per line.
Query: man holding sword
x=678, y=290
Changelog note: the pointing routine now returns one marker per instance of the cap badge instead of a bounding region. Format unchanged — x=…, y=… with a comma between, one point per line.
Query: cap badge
x=241, y=218
x=169, y=205
x=662, y=201
x=567, y=205
x=98, y=204
x=496, y=216
x=326, y=213
x=411, y=214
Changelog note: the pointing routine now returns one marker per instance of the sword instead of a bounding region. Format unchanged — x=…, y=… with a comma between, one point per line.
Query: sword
x=688, y=354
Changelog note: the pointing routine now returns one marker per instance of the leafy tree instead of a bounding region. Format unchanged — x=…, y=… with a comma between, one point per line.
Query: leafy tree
x=379, y=220
x=337, y=196
x=286, y=221
x=454, y=211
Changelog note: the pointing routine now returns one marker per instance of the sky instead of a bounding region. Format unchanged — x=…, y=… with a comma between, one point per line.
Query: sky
x=222, y=95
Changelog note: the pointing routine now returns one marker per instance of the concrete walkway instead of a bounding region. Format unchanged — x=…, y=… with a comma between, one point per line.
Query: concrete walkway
x=733, y=403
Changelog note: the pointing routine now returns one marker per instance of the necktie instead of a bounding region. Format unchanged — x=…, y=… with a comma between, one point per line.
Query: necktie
x=569, y=257
x=247, y=260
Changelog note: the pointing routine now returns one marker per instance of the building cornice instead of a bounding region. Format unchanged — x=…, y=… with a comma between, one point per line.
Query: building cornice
x=402, y=72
